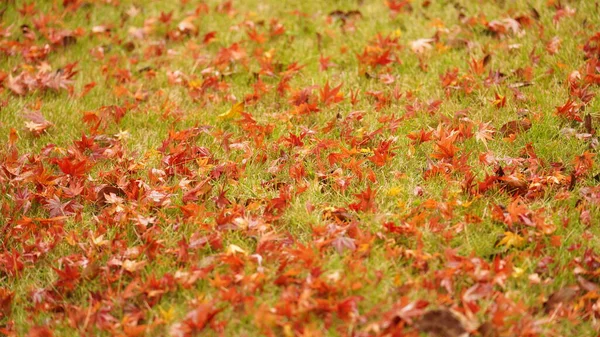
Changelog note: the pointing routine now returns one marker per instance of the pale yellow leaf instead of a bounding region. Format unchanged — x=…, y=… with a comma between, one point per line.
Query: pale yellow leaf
x=234, y=112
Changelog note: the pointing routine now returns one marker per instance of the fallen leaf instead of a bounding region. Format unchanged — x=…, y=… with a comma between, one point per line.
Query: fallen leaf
x=421, y=45
x=487, y=329
x=441, y=323
x=6, y=298
x=587, y=285
x=515, y=127
x=36, y=123
x=107, y=195
x=234, y=249
x=561, y=298
x=235, y=111
x=511, y=240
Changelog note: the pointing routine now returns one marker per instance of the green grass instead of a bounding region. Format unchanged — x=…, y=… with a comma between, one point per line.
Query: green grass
x=445, y=241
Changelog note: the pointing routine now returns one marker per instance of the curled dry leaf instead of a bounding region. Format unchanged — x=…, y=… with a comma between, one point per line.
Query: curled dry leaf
x=106, y=195
x=441, y=323
x=187, y=25
x=515, y=127
x=561, y=298
x=487, y=329
x=345, y=15
x=340, y=215
x=36, y=123
x=234, y=112
x=6, y=298
x=196, y=320
x=587, y=285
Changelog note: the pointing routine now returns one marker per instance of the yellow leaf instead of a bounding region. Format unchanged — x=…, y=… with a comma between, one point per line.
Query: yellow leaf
x=288, y=331
x=367, y=151
x=167, y=315
x=234, y=249
x=467, y=204
x=394, y=191
x=235, y=111
x=195, y=84
x=517, y=272
x=511, y=240
x=99, y=241
x=363, y=247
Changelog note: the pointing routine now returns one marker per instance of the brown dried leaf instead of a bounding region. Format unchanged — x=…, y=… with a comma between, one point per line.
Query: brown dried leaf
x=441, y=323
x=6, y=298
x=105, y=192
x=342, y=243
x=561, y=297
x=587, y=285
x=515, y=127
x=36, y=123
x=487, y=329
x=15, y=84
x=587, y=122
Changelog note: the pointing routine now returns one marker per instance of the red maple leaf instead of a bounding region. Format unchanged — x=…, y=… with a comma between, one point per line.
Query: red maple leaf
x=366, y=201
x=331, y=95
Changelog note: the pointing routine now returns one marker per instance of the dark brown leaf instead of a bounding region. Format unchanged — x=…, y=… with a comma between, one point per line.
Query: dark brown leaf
x=105, y=191
x=487, y=329
x=560, y=298
x=587, y=122
x=36, y=123
x=6, y=297
x=515, y=127
x=587, y=285
x=441, y=323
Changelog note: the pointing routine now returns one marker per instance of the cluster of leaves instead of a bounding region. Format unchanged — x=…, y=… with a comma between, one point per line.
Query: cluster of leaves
x=245, y=168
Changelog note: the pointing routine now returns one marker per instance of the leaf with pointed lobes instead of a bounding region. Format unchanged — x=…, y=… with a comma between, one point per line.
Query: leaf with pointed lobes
x=235, y=111
x=73, y=167
x=484, y=132
x=569, y=110
x=478, y=66
x=446, y=148
x=36, y=123
x=383, y=153
x=421, y=45
x=342, y=243
x=419, y=137
x=511, y=240
x=584, y=163
x=331, y=95
x=499, y=101
x=13, y=137
x=196, y=320
x=366, y=201
x=67, y=277
x=325, y=63
x=347, y=309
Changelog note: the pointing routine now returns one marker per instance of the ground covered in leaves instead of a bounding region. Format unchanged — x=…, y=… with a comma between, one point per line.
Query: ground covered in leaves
x=299, y=168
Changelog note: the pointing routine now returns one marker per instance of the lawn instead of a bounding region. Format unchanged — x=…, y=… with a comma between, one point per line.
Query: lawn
x=299, y=168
